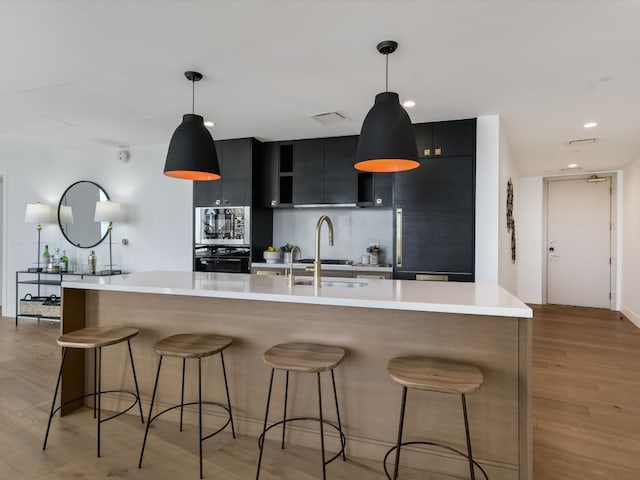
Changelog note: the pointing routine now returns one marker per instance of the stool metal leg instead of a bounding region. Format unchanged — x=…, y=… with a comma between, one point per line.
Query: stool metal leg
x=264, y=427
x=284, y=414
x=135, y=380
x=466, y=430
x=99, y=382
x=200, y=411
x=95, y=374
x=404, y=402
x=55, y=395
x=184, y=361
x=153, y=398
x=226, y=387
x=335, y=396
x=324, y=465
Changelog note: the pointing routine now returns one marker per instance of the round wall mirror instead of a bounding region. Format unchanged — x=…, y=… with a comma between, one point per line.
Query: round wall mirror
x=76, y=213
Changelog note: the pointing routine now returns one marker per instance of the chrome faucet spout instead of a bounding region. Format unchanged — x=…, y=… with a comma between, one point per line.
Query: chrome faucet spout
x=317, y=269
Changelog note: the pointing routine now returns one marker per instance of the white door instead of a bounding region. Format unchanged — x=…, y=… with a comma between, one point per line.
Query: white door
x=579, y=243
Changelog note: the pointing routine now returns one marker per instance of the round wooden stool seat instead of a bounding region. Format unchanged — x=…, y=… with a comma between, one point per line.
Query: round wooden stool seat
x=434, y=375
x=96, y=337
x=303, y=357
x=188, y=345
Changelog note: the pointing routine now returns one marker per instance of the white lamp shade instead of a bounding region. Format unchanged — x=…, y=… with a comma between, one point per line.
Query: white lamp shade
x=66, y=215
x=38, y=213
x=108, y=211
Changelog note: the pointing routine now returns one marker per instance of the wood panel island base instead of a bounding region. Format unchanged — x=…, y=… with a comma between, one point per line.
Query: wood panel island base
x=481, y=325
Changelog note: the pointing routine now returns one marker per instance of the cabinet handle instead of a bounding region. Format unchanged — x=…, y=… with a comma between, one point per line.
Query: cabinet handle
x=218, y=202
x=398, y=237
x=274, y=203
x=426, y=152
x=438, y=151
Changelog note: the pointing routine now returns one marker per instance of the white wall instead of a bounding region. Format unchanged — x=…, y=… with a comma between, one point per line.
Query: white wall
x=158, y=208
x=487, y=198
x=354, y=229
x=507, y=269
x=630, y=301
x=529, y=230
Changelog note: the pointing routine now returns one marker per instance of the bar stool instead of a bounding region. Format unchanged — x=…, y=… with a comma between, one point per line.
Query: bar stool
x=95, y=338
x=303, y=358
x=185, y=346
x=434, y=375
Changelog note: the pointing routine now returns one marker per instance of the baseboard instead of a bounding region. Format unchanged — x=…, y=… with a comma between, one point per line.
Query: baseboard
x=632, y=316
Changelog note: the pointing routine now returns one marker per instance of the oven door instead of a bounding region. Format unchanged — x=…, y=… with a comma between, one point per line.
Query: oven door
x=222, y=264
x=222, y=225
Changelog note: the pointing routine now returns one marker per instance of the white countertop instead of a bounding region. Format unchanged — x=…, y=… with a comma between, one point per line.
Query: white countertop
x=446, y=297
x=361, y=267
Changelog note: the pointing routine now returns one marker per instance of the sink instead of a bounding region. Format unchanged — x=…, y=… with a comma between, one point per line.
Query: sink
x=333, y=283
x=326, y=261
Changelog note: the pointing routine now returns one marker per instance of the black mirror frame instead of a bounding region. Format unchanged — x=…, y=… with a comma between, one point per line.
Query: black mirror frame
x=60, y=222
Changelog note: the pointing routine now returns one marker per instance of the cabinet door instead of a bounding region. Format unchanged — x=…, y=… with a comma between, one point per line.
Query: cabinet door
x=455, y=137
x=424, y=139
x=236, y=172
x=308, y=171
x=339, y=174
x=383, y=189
x=203, y=193
x=270, y=174
x=438, y=225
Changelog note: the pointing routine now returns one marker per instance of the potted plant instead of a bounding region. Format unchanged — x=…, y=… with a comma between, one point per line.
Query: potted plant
x=286, y=252
x=375, y=254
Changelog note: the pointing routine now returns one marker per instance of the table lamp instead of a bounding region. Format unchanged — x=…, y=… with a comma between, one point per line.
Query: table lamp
x=41, y=214
x=108, y=211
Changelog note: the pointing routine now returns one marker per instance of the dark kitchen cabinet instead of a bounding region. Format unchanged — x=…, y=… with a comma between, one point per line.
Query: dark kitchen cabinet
x=308, y=171
x=339, y=174
x=446, y=139
x=236, y=160
x=277, y=179
x=323, y=171
x=434, y=207
x=375, y=189
x=434, y=221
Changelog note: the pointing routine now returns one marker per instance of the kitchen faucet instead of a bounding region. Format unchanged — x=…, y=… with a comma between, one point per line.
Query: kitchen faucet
x=317, y=269
x=293, y=253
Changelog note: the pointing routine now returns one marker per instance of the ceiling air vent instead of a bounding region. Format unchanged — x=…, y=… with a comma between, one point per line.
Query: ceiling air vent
x=583, y=141
x=330, y=118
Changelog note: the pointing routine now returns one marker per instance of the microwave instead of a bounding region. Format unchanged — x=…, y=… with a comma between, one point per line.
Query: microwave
x=222, y=225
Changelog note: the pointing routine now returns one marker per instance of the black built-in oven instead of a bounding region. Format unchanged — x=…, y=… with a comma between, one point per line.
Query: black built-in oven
x=222, y=259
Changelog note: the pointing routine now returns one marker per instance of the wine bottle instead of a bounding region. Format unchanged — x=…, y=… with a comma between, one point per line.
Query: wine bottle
x=64, y=262
x=46, y=258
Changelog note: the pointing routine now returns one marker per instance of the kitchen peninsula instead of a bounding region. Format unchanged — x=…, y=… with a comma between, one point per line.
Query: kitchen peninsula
x=472, y=323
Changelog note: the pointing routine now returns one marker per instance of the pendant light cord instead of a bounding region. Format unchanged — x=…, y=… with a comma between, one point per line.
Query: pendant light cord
x=193, y=96
x=386, y=85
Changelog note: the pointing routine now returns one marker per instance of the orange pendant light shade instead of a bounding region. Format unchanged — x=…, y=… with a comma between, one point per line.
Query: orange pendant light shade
x=192, y=153
x=387, y=142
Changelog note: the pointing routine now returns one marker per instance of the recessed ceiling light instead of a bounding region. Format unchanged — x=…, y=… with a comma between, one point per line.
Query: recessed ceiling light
x=590, y=124
x=573, y=165
x=209, y=124
x=409, y=104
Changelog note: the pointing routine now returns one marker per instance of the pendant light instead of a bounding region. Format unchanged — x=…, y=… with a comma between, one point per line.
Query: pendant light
x=387, y=142
x=192, y=154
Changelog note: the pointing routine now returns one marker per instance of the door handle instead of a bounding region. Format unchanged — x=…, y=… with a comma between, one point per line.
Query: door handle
x=398, y=237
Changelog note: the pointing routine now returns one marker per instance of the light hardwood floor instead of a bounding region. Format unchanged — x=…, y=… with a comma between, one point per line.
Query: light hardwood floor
x=586, y=415
x=586, y=387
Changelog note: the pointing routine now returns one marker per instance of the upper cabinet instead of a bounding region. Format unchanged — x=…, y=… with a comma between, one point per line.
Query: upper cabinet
x=277, y=180
x=445, y=139
x=238, y=159
x=304, y=172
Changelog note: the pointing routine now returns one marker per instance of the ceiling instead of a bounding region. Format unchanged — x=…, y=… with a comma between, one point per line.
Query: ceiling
x=102, y=74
